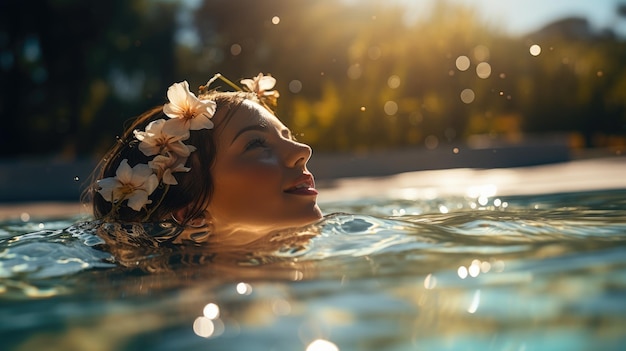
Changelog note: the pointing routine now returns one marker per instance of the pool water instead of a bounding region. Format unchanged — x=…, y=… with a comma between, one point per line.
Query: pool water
x=524, y=272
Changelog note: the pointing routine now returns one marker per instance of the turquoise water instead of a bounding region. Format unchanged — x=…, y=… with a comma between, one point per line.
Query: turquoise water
x=542, y=272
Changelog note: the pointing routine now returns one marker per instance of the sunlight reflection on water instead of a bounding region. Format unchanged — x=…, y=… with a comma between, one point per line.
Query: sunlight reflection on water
x=453, y=264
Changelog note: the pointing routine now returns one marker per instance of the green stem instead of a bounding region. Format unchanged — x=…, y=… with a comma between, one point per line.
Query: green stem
x=229, y=82
x=149, y=213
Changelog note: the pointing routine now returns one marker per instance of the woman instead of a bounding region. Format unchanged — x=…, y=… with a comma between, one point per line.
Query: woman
x=219, y=168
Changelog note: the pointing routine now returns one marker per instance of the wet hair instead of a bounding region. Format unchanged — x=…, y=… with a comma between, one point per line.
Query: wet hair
x=194, y=188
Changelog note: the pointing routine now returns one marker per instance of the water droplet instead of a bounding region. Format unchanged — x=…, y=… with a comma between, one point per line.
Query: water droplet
x=455, y=150
x=275, y=20
x=535, y=50
x=362, y=108
x=76, y=178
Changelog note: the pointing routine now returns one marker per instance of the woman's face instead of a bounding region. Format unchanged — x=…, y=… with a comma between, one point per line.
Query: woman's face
x=261, y=182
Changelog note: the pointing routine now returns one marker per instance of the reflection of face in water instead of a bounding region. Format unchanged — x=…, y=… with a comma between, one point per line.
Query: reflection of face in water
x=261, y=182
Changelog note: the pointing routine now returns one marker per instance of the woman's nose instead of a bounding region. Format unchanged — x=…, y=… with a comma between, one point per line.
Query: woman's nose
x=299, y=154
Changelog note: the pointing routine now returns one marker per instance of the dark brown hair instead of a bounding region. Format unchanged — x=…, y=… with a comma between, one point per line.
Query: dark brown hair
x=194, y=188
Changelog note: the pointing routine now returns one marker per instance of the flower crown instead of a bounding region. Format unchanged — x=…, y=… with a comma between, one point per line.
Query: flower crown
x=163, y=139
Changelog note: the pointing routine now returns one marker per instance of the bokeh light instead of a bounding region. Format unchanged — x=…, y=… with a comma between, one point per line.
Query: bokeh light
x=394, y=82
x=468, y=96
x=462, y=63
x=391, y=108
x=322, y=345
x=483, y=70
x=535, y=50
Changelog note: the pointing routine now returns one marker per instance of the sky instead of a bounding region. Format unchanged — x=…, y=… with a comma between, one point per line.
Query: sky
x=516, y=17
x=523, y=16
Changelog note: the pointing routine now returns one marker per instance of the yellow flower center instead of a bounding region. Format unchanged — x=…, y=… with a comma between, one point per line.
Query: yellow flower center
x=189, y=114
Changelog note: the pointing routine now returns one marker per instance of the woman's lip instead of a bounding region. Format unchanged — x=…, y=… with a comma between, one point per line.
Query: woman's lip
x=302, y=191
x=308, y=189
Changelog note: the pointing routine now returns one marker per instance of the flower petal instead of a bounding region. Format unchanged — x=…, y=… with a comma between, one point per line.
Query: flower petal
x=172, y=110
x=168, y=177
x=108, y=187
x=151, y=183
x=179, y=149
x=201, y=122
x=149, y=149
x=156, y=126
x=138, y=199
x=178, y=94
x=266, y=83
x=249, y=83
x=177, y=127
x=124, y=173
x=140, y=174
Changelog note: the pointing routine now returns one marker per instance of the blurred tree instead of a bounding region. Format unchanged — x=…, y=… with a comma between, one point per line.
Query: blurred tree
x=352, y=75
x=70, y=69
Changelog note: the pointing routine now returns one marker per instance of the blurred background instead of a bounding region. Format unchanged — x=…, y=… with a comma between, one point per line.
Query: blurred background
x=357, y=77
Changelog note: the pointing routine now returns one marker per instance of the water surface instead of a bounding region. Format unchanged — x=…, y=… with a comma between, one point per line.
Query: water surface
x=528, y=272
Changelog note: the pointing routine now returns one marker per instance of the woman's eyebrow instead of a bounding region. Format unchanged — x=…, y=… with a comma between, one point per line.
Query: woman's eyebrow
x=258, y=127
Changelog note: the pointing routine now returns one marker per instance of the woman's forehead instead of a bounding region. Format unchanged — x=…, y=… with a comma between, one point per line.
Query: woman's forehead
x=251, y=113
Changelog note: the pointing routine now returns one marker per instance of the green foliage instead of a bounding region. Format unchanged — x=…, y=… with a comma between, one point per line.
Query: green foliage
x=352, y=75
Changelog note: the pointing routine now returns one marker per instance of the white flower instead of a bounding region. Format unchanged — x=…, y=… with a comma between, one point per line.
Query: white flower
x=165, y=165
x=133, y=184
x=261, y=85
x=155, y=142
x=186, y=110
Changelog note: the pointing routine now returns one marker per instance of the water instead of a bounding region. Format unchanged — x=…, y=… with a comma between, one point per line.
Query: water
x=528, y=272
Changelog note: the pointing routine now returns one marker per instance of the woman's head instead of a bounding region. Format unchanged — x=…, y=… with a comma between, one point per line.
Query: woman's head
x=259, y=174
x=222, y=158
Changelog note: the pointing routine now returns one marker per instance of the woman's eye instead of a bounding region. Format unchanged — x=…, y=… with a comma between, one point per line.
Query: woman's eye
x=254, y=143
